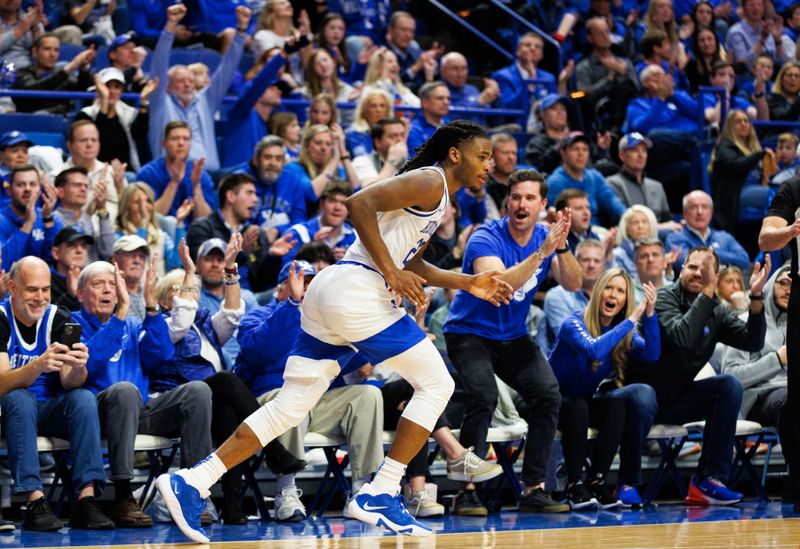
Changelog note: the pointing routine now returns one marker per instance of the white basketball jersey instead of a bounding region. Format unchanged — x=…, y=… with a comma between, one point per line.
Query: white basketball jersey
x=405, y=231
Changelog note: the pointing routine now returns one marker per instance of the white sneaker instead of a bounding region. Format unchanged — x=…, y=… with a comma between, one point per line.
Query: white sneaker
x=470, y=468
x=420, y=504
x=288, y=507
x=346, y=511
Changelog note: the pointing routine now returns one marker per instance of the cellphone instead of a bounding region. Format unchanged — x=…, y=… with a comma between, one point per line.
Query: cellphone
x=72, y=334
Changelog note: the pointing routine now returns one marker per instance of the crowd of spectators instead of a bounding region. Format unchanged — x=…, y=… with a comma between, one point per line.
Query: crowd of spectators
x=180, y=226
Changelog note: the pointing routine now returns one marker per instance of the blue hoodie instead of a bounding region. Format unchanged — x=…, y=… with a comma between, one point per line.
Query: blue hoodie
x=15, y=244
x=123, y=350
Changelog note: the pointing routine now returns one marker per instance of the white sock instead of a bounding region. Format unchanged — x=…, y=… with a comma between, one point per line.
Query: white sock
x=387, y=479
x=357, y=483
x=284, y=481
x=205, y=473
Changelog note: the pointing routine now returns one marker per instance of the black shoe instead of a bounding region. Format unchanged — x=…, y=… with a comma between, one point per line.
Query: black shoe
x=580, y=497
x=539, y=501
x=40, y=518
x=281, y=461
x=231, y=510
x=86, y=515
x=467, y=504
x=6, y=526
x=604, y=495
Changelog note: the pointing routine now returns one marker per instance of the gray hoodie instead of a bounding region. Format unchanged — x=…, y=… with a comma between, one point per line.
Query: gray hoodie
x=761, y=371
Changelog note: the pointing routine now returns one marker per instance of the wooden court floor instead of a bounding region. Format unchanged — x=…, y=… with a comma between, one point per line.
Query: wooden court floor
x=751, y=526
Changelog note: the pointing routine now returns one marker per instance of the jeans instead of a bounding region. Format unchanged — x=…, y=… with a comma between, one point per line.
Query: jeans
x=71, y=416
x=184, y=411
x=716, y=400
x=522, y=366
x=641, y=408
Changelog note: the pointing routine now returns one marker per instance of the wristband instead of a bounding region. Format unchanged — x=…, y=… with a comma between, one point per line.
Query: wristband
x=563, y=250
x=47, y=219
x=230, y=279
x=233, y=270
x=756, y=297
x=345, y=157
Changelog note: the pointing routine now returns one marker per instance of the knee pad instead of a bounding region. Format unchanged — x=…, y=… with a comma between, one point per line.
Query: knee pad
x=304, y=382
x=422, y=366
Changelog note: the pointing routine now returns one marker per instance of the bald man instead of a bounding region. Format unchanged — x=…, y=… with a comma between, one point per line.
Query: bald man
x=41, y=386
x=454, y=72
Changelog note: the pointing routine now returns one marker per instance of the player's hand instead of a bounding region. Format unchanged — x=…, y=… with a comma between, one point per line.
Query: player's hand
x=409, y=285
x=490, y=288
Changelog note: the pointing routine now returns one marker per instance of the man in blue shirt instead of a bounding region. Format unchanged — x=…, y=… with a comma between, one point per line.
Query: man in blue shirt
x=435, y=103
x=698, y=210
x=174, y=178
x=574, y=173
x=454, y=72
x=723, y=76
x=485, y=340
x=24, y=228
x=412, y=60
x=329, y=226
x=514, y=93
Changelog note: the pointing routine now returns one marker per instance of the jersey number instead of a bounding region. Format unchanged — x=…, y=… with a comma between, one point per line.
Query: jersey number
x=420, y=243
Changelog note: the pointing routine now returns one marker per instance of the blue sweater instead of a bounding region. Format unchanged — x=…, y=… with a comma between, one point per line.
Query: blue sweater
x=420, y=131
x=15, y=244
x=681, y=113
x=575, y=350
x=514, y=93
x=155, y=174
x=123, y=350
x=266, y=336
x=358, y=143
x=729, y=251
x=602, y=197
x=283, y=203
x=244, y=125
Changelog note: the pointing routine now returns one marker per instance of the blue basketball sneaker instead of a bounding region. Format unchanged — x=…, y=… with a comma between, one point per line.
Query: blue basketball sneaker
x=629, y=496
x=185, y=504
x=381, y=509
x=710, y=491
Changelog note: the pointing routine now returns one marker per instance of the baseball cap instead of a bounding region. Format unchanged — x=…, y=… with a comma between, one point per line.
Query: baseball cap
x=9, y=139
x=573, y=137
x=551, y=99
x=111, y=73
x=121, y=40
x=130, y=243
x=630, y=140
x=73, y=234
x=307, y=268
x=210, y=245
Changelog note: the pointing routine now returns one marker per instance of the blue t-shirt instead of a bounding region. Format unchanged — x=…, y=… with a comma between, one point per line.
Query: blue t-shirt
x=471, y=315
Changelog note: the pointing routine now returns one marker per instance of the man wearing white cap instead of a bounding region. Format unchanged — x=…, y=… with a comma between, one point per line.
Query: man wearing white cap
x=121, y=126
x=130, y=254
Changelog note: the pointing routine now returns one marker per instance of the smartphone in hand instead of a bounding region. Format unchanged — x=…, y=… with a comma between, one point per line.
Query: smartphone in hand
x=72, y=334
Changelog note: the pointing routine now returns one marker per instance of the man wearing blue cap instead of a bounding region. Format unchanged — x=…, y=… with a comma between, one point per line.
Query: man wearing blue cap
x=122, y=57
x=266, y=335
x=13, y=152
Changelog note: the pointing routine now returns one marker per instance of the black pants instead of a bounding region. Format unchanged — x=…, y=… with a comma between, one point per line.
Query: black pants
x=395, y=395
x=521, y=365
x=231, y=403
x=771, y=409
x=607, y=415
x=793, y=386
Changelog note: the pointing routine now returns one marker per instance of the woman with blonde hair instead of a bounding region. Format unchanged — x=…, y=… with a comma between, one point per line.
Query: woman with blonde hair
x=275, y=27
x=321, y=77
x=383, y=71
x=637, y=223
x=322, y=110
x=137, y=215
x=373, y=105
x=782, y=102
x=590, y=356
x=731, y=290
x=322, y=158
x=738, y=176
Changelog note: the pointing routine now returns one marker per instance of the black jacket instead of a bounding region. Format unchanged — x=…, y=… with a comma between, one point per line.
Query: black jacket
x=689, y=333
x=731, y=168
x=29, y=79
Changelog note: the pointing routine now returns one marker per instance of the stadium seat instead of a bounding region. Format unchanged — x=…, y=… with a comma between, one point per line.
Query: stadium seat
x=187, y=56
x=333, y=479
x=67, y=51
x=42, y=129
x=508, y=443
x=160, y=452
x=670, y=439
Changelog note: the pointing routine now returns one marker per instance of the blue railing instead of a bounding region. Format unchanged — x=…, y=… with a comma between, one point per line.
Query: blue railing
x=458, y=19
x=542, y=34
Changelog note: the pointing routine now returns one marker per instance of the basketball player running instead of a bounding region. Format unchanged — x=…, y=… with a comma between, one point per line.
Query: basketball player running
x=347, y=307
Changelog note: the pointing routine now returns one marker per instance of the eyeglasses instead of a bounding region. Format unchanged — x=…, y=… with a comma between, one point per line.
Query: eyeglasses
x=784, y=283
x=791, y=75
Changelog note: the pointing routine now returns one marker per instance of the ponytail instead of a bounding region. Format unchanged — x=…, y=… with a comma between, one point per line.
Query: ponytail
x=435, y=149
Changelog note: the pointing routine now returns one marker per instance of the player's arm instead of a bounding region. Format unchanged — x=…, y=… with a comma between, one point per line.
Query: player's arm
x=776, y=233
x=422, y=189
